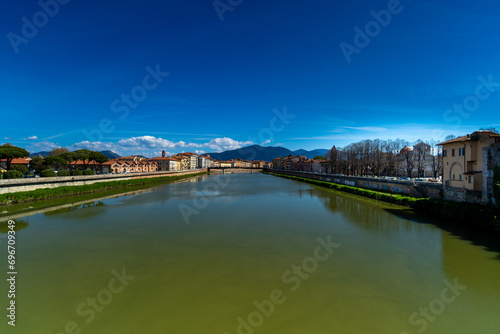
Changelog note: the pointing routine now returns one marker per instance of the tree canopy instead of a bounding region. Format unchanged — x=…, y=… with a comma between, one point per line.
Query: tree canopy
x=36, y=164
x=10, y=152
x=58, y=151
x=55, y=161
x=98, y=157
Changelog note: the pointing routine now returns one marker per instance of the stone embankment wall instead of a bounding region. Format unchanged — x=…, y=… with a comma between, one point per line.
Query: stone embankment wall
x=491, y=158
x=410, y=188
x=17, y=185
x=455, y=194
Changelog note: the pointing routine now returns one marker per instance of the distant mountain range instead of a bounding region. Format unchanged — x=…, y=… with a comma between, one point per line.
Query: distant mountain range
x=111, y=154
x=42, y=154
x=108, y=154
x=254, y=152
x=257, y=152
x=311, y=154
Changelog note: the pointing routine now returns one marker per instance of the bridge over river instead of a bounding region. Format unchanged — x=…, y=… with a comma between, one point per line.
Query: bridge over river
x=231, y=170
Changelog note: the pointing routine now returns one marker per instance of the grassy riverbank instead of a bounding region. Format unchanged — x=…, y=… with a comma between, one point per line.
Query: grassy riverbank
x=96, y=188
x=468, y=214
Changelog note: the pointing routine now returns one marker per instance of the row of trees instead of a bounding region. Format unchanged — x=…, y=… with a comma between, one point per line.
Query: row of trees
x=385, y=158
x=58, y=159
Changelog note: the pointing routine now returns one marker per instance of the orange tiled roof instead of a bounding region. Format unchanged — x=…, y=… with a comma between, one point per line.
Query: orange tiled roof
x=18, y=161
x=109, y=162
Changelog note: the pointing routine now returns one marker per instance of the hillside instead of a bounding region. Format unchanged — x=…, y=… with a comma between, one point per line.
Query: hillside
x=257, y=152
x=310, y=154
x=111, y=154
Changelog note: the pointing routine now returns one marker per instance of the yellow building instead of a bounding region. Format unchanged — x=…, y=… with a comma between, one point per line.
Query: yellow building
x=463, y=160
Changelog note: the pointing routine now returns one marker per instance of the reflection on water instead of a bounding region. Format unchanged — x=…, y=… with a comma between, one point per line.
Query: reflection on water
x=20, y=225
x=250, y=230
x=82, y=214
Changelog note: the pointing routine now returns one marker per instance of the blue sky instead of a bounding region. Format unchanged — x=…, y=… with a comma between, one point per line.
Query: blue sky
x=270, y=72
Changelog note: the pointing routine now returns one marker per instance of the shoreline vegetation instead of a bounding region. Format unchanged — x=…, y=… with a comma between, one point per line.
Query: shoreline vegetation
x=95, y=188
x=472, y=215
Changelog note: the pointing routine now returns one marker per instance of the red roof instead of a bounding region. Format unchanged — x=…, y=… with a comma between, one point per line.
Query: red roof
x=18, y=161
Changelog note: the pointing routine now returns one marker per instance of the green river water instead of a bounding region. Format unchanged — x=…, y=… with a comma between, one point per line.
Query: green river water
x=247, y=253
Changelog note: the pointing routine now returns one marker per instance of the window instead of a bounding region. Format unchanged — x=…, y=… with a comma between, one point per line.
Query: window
x=470, y=177
x=453, y=176
x=452, y=152
x=461, y=151
x=444, y=153
x=460, y=177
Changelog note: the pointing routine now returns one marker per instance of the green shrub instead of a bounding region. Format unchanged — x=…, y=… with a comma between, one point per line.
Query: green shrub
x=77, y=172
x=13, y=174
x=20, y=168
x=48, y=173
x=88, y=172
x=63, y=172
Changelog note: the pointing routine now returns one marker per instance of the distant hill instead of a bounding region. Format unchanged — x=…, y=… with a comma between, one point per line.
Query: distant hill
x=111, y=154
x=254, y=152
x=310, y=154
x=257, y=152
x=108, y=154
x=42, y=154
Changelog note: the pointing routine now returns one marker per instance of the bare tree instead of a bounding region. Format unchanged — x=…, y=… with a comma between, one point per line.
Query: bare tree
x=391, y=149
x=421, y=152
x=406, y=155
x=332, y=158
x=449, y=137
x=436, y=158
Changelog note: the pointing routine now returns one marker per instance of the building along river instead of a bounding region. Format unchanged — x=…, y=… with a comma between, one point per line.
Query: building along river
x=248, y=253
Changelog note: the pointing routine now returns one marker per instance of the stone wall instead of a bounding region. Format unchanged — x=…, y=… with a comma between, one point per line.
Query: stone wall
x=410, y=188
x=491, y=158
x=28, y=184
x=456, y=194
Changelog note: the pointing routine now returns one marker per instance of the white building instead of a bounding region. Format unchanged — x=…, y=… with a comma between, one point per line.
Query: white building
x=203, y=162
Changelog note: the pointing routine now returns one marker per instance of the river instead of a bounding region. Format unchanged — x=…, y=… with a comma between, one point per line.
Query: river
x=248, y=253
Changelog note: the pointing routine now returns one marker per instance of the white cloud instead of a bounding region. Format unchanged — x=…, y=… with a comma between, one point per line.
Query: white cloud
x=199, y=152
x=147, y=142
x=224, y=144
x=94, y=146
x=31, y=138
x=42, y=146
x=154, y=145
